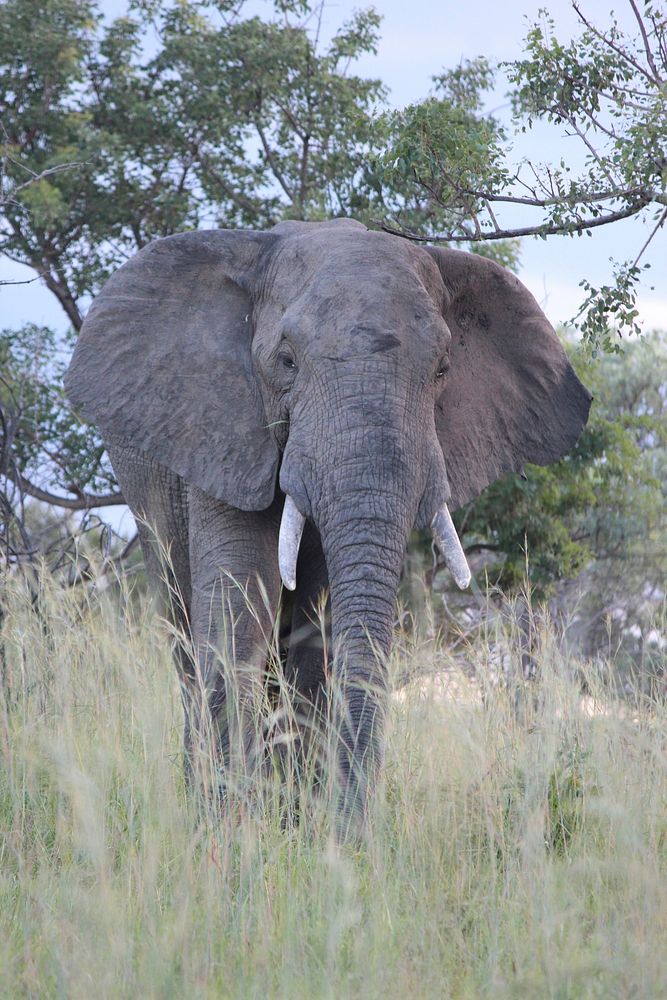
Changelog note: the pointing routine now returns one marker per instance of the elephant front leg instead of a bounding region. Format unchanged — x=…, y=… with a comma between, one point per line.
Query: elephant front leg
x=302, y=744
x=309, y=642
x=235, y=592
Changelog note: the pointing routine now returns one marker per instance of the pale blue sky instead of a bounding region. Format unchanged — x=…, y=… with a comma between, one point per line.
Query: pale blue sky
x=419, y=37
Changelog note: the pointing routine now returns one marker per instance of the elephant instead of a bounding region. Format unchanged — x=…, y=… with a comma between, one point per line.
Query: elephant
x=281, y=409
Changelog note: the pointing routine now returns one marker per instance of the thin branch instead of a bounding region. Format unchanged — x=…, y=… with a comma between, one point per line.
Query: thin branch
x=659, y=224
x=647, y=45
x=277, y=173
x=34, y=178
x=627, y=103
x=60, y=290
x=591, y=149
x=616, y=48
x=129, y=548
x=24, y=281
x=609, y=131
x=291, y=119
x=12, y=516
x=238, y=199
x=84, y=501
x=491, y=214
x=661, y=38
x=536, y=202
x=468, y=236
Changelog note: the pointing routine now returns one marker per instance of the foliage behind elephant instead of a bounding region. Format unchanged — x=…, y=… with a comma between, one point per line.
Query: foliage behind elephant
x=293, y=403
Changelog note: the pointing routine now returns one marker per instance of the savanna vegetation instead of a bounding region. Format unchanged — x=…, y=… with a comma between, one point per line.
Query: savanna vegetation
x=518, y=845
x=511, y=854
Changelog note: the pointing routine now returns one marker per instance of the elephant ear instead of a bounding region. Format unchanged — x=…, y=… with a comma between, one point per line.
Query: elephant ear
x=163, y=363
x=511, y=395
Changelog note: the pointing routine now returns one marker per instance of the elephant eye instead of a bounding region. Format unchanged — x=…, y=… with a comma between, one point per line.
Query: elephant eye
x=287, y=361
x=443, y=368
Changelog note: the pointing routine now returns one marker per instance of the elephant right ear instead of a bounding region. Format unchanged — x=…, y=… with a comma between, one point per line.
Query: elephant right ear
x=163, y=363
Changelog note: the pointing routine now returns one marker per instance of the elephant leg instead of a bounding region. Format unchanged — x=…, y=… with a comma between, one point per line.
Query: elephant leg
x=306, y=664
x=158, y=499
x=309, y=634
x=235, y=593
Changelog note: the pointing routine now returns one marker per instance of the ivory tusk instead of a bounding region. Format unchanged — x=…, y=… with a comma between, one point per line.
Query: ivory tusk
x=448, y=542
x=289, y=539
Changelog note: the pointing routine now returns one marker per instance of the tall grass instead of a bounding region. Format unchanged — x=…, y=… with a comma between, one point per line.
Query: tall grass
x=506, y=858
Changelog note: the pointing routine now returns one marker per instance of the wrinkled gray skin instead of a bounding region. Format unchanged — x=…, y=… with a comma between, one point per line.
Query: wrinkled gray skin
x=370, y=379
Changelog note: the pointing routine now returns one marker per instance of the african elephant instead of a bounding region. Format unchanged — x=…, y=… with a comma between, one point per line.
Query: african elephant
x=293, y=403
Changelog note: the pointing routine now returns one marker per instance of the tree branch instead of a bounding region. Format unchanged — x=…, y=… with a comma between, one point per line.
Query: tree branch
x=41, y=266
x=587, y=198
x=238, y=199
x=24, y=281
x=468, y=236
x=34, y=178
x=277, y=173
x=591, y=149
x=647, y=46
x=62, y=293
x=607, y=41
x=659, y=224
x=84, y=501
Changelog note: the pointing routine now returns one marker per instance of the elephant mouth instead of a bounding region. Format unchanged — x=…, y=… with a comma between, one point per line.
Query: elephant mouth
x=442, y=526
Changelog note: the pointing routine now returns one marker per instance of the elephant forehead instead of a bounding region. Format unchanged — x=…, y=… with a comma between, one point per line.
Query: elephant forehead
x=359, y=341
x=371, y=289
x=353, y=292
x=322, y=252
x=374, y=313
x=393, y=344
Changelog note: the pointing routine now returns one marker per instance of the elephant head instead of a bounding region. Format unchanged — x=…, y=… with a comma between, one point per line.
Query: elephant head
x=376, y=381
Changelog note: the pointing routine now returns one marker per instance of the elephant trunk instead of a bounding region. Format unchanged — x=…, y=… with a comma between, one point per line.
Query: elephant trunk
x=363, y=547
x=364, y=557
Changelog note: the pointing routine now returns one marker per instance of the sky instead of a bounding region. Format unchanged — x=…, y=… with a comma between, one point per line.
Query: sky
x=419, y=38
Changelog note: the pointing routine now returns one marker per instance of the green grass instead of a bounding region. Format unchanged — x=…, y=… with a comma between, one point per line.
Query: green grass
x=505, y=859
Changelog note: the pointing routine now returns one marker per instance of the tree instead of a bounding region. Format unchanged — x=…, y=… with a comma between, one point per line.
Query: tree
x=447, y=173
x=618, y=604
x=232, y=121
x=36, y=427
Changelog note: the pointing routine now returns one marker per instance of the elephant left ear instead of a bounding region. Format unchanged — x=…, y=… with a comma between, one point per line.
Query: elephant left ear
x=511, y=395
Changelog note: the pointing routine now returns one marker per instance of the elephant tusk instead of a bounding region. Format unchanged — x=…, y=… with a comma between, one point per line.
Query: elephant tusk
x=289, y=539
x=448, y=542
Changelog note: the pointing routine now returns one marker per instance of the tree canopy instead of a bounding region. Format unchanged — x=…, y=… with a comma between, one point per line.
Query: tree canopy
x=607, y=88
x=230, y=121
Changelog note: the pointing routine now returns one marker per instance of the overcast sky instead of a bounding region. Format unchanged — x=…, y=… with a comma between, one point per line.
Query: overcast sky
x=420, y=37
